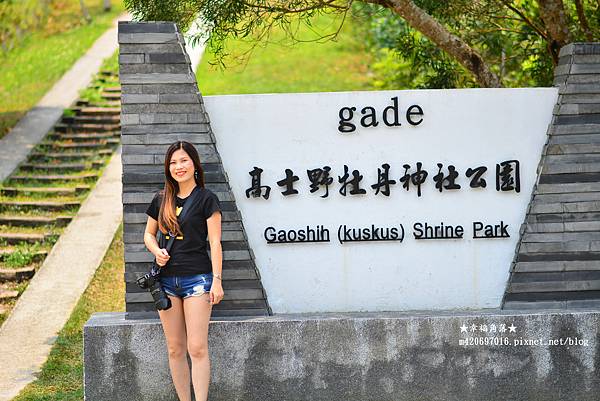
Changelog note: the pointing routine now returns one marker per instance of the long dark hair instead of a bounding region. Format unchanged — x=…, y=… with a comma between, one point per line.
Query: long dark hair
x=167, y=217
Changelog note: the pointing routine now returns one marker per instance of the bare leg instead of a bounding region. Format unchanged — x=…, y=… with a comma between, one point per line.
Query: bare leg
x=173, y=324
x=197, y=315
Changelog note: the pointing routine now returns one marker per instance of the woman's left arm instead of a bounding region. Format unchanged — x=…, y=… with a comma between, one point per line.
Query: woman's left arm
x=216, y=255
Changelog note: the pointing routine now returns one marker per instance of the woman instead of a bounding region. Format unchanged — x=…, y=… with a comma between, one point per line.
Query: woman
x=190, y=278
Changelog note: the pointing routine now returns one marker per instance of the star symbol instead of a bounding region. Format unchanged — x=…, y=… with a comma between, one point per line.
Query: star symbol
x=512, y=328
x=463, y=328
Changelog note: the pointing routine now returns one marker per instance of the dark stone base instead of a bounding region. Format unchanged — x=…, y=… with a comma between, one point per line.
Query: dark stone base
x=362, y=357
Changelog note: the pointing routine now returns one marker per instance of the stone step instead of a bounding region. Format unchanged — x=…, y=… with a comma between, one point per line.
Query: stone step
x=574, y=139
x=568, y=178
x=557, y=255
x=555, y=286
x=143, y=256
x=567, y=188
x=226, y=245
x=86, y=137
x=572, y=158
x=39, y=205
x=565, y=149
x=557, y=266
x=132, y=287
x=576, y=108
x=584, y=79
x=98, y=119
x=231, y=295
x=37, y=256
x=112, y=89
x=229, y=274
x=258, y=303
x=111, y=95
x=34, y=221
x=565, y=207
x=560, y=237
x=86, y=127
x=548, y=305
x=20, y=274
x=7, y=295
x=567, y=197
x=50, y=178
x=560, y=247
x=228, y=217
x=226, y=236
x=18, y=238
x=575, y=129
x=580, y=88
x=562, y=217
x=534, y=305
x=100, y=144
x=568, y=119
x=580, y=98
x=91, y=135
x=158, y=177
x=49, y=191
x=576, y=226
x=95, y=111
x=135, y=269
x=565, y=168
x=222, y=312
x=62, y=167
x=70, y=155
x=569, y=275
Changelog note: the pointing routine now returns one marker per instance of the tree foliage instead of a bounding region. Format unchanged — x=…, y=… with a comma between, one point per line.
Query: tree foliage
x=19, y=17
x=453, y=43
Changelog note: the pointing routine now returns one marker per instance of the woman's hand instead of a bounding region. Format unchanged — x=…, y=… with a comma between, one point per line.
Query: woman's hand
x=216, y=292
x=162, y=257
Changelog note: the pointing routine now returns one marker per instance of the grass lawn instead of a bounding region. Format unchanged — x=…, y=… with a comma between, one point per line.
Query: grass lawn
x=61, y=378
x=29, y=70
x=276, y=67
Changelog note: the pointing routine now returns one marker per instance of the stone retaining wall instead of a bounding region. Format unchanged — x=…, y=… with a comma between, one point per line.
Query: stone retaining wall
x=161, y=104
x=358, y=357
x=557, y=259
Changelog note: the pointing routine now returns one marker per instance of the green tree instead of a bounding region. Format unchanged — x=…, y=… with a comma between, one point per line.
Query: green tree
x=17, y=18
x=489, y=39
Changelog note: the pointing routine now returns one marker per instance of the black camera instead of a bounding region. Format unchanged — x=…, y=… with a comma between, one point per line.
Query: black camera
x=150, y=281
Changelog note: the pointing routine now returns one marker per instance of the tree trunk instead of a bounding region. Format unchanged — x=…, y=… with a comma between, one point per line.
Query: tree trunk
x=106, y=5
x=84, y=11
x=438, y=34
x=585, y=27
x=554, y=16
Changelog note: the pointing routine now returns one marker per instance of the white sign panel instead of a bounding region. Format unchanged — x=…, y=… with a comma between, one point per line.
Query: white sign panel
x=460, y=164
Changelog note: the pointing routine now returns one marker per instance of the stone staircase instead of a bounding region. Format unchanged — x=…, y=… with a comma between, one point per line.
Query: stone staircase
x=41, y=197
x=557, y=263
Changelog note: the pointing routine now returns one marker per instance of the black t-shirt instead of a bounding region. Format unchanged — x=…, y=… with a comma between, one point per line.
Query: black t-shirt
x=189, y=254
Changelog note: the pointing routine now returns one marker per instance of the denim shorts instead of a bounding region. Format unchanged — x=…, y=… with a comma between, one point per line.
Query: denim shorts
x=187, y=286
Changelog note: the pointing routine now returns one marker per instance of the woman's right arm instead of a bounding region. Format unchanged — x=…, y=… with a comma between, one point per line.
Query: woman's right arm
x=162, y=256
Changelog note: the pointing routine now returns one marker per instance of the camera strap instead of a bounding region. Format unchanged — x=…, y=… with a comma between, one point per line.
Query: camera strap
x=181, y=218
